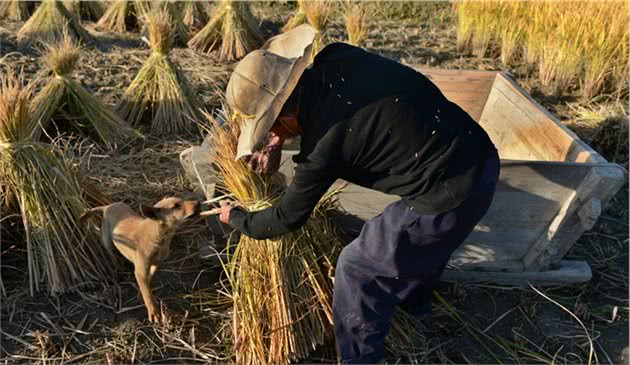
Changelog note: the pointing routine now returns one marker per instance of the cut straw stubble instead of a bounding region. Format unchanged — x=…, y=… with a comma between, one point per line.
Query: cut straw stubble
x=160, y=93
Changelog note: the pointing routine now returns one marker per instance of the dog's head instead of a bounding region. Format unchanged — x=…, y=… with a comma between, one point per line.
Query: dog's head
x=171, y=211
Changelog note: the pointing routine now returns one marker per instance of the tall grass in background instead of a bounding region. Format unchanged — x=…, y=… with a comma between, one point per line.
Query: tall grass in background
x=576, y=43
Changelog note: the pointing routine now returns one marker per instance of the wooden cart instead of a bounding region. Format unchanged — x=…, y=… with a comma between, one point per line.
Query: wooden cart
x=552, y=186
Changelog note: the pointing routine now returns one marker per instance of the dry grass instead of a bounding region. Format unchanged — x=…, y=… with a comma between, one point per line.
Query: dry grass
x=159, y=93
x=48, y=22
x=232, y=31
x=570, y=43
x=356, y=17
x=318, y=14
x=61, y=254
x=69, y=106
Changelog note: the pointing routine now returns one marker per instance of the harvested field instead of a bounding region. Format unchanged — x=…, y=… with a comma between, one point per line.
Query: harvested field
x=471, y=323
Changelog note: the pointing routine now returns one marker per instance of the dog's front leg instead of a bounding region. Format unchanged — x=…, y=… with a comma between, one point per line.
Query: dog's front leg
x=143, y=278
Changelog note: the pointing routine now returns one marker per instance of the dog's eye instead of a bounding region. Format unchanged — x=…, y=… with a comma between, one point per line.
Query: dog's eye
x=176, y=206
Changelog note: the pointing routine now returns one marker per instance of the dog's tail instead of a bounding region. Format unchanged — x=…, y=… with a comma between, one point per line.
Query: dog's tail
x=91, y=212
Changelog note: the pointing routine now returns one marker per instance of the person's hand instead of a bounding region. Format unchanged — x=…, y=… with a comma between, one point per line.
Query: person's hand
x=226, y=207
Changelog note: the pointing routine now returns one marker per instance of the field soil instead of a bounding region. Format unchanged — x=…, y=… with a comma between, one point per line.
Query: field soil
x=471, y=323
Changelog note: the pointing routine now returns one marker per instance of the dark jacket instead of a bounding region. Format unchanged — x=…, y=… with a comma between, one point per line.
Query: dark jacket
x=378, y=124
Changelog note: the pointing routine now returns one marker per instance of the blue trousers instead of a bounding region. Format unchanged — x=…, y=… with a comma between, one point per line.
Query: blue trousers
x=398, y=259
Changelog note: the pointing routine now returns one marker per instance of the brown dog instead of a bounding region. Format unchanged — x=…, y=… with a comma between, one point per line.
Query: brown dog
x=145, y=241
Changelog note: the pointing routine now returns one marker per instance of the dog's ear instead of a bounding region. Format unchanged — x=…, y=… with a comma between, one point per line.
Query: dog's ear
x=151, y=212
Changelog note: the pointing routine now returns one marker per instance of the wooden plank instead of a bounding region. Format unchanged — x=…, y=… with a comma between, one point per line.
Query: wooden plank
x=565, y=272
x=601, y=183
x=468, y=89
x=522, y=129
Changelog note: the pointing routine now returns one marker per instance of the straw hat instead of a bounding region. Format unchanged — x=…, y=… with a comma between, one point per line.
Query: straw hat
x=263, y=81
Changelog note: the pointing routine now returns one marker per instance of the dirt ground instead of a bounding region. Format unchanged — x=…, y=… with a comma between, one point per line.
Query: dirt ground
x=481, y=323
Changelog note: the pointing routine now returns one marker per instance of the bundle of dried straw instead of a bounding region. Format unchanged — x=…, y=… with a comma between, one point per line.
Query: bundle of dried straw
x=16, y=9
x=71, y=106
x=122, y=16
x=280, y=289
x=91, y=10
x=61, y=254
x=233, y=31
x=49, y=22
x=160, y=93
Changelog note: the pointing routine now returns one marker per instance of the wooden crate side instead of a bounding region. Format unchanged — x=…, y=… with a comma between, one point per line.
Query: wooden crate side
x=577, y=215
x=523, y=130
x=528, y=197
x=468, y=89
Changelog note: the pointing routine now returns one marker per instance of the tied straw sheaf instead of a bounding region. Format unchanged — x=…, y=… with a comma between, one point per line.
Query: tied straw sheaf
x=160, y=92
x=69, y=104
x=50, y=196
x=279, y=291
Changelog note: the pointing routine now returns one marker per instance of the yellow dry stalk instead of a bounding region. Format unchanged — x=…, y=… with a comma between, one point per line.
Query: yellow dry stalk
x=356, y=16
x=48, y=22
x=317, y=13
x=570, y=43
x=280, y=288
x=15, y=9
x=121, y=16
x=232, y=30
x=61, y=254
x=298, y=18
x=79, y=110
x=160, y=93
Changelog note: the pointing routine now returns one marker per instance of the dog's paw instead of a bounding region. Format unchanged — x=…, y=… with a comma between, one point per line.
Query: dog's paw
x=153, y=315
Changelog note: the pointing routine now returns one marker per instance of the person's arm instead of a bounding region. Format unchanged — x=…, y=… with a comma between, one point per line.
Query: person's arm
x=309, y=184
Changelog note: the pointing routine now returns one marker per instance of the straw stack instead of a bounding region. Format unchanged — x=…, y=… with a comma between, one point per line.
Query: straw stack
x=298, y=18
x=317, y=14
x=85, y=10
x=280, y=289
x=233, y=31
x=48, y=23
x=61, y=253
x=68, y=105
x=159, y=94
x=16, y=9
x=122, y=16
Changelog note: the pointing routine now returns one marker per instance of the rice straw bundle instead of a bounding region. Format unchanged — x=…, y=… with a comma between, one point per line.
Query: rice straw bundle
x=356, y=18
x=91, y=10
x=73, y=107
x=159, y=93
x=280, y=289
x=48, y=23
x=179, y=34
x=16, y=9
x=296, y=19
x=194, y=15
x=122, y=16
x=317, y=13
x=61, y=254
x=232, y=30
